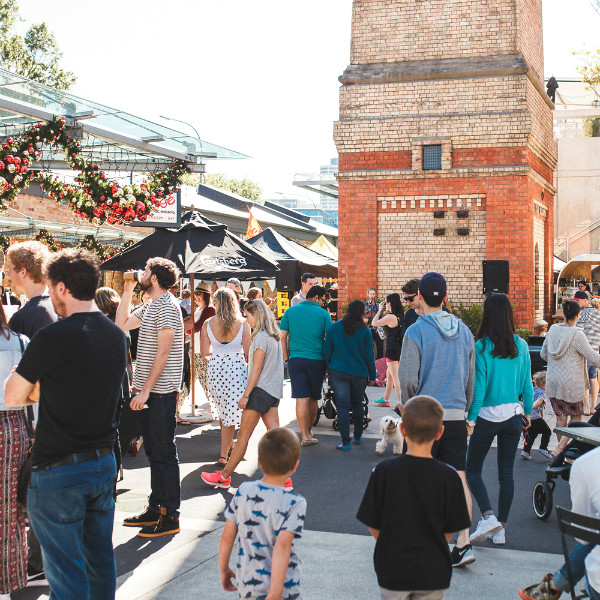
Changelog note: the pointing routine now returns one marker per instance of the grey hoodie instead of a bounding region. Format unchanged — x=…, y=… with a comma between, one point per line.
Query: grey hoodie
x=438, y=359
x=566, y=349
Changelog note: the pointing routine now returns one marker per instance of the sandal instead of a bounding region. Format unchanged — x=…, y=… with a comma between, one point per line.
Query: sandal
x=221, y=459
x=183, y=422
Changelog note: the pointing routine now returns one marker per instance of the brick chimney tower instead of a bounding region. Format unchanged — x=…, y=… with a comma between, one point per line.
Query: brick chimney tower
x=446, y=150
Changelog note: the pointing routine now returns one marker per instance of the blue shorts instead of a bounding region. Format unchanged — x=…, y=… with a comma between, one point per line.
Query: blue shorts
x=592, y=371
x=306, y=376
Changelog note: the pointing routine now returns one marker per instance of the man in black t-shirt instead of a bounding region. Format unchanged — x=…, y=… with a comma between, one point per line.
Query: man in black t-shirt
x=74, y=368
x=412, y=506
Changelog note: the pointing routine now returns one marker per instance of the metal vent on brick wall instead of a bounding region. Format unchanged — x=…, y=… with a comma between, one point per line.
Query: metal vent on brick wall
x=432, y=157
x=463, y=231
x=438, y=214
x=439, y=231
x=462, y=214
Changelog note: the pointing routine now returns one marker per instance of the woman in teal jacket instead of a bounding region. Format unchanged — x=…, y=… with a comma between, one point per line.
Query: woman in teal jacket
x=502, y=376
x=351, y=363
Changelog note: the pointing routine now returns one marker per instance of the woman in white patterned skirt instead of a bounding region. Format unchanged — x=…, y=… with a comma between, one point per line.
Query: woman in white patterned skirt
x=225, y=340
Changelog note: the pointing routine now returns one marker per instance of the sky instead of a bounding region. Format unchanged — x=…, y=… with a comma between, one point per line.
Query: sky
x=259, y=77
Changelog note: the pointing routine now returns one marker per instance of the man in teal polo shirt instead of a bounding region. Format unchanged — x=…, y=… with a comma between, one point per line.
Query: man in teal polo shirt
x=303, y=330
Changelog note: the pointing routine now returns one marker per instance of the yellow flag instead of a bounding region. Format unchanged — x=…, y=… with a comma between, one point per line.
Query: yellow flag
x=253, y=226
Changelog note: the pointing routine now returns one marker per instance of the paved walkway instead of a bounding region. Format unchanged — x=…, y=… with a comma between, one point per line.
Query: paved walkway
x=336, y=550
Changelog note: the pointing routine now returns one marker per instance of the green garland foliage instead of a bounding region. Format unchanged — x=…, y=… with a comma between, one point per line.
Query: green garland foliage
x=43, y=236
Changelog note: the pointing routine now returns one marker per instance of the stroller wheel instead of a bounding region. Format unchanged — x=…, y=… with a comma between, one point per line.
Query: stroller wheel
x=335, y=424
x=319, y=411
x=542, y=500
x=366, y=422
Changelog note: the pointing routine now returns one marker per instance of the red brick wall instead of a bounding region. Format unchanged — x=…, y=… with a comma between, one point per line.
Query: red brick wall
x=509, y=230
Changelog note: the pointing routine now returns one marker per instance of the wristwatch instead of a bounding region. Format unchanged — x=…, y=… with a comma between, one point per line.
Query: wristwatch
x=470, y=423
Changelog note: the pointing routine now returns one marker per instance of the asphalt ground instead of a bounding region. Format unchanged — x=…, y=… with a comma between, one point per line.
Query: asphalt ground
x=336, y=548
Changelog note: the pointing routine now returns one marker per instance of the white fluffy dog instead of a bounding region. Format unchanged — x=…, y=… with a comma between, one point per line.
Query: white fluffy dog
x=390, y=434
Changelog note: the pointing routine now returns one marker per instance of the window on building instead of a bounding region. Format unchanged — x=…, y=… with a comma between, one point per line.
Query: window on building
x=432, y=157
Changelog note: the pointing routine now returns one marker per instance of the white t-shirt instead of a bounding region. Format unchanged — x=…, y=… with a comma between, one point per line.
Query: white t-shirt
x=585, y=497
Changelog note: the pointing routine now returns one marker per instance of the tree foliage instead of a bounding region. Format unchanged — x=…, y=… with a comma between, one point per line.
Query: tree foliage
x=242, y=187
x=36, y=55
x=589, y=69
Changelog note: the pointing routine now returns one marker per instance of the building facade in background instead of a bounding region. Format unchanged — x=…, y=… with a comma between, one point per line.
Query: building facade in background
x=446, y=150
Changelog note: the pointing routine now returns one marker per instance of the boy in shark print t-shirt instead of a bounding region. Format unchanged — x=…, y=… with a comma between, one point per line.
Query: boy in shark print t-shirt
x=267, y=517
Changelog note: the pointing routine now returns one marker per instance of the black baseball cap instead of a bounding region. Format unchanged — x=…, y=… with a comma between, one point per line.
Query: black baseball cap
x=433, y=284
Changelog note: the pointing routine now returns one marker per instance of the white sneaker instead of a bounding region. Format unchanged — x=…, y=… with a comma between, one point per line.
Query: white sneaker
x=525, y=455
x=485, y=527
x=499, y=537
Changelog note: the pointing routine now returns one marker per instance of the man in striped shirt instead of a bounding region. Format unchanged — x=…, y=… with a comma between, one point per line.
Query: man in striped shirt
x=156, y=383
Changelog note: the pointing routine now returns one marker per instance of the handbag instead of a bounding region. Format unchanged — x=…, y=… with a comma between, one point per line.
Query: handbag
x=25, y=472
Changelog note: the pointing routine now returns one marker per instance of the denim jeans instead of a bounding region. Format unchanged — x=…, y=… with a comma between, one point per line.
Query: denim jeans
x=158, y=430
x=508, y=433
x=72, y=510
x=577, y=562
x=349, y=391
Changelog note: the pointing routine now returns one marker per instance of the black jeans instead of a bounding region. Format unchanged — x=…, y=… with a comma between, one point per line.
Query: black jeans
x=508, y=433
x=538, y=426
x=349, y=391
x=158, y=431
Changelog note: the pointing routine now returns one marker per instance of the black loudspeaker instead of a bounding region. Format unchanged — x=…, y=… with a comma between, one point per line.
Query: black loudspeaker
x=495, y=276
x=287, y=279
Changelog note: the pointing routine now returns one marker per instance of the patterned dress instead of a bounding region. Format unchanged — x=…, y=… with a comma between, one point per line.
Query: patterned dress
x=14, y=444
x=226, y=378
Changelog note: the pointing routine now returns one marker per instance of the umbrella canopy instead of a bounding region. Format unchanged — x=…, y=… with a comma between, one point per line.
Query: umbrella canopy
x=201, y=247
x=323, y=246
x=280, y=248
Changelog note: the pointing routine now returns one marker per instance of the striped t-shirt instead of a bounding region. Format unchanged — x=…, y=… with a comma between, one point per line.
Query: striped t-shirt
x=163, y=313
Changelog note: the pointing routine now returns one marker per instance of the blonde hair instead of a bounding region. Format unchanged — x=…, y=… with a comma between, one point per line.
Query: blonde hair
x=596, y=303
x=30, y=256
x=226, y=307
x=265, y=320
x=539, y=377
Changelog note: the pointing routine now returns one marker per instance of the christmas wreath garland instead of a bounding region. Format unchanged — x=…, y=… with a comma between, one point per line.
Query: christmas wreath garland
x=95, y=198
x=5, y=242
x=43, y=236
x=89, y=242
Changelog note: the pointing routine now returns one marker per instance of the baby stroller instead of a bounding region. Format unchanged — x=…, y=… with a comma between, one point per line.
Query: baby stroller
x=327, y=407
x=542, y=490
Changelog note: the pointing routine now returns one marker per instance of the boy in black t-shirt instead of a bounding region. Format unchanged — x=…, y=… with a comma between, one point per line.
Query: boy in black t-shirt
x=412, y=506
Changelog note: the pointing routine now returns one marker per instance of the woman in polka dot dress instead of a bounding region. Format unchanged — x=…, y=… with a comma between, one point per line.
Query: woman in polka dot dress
x=225, y=340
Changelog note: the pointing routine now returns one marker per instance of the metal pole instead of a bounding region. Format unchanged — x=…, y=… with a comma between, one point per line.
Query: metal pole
x=192, y=347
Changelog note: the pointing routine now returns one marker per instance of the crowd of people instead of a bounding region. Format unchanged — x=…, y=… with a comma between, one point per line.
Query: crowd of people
x=79, y=361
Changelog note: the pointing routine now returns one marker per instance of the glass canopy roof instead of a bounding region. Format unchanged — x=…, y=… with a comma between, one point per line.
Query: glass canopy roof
x=112, y=138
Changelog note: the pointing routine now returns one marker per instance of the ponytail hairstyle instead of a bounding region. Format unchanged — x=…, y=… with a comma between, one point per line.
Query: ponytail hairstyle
x=265, y=320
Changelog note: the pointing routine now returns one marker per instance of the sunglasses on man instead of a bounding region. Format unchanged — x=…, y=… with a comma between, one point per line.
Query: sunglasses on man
x=409, y=298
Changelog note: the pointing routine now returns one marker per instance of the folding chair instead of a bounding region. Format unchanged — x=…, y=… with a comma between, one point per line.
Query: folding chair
x=586, y=529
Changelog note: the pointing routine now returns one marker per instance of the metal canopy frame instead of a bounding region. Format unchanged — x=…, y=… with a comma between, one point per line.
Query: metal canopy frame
x=131, y=143
x=326, y=187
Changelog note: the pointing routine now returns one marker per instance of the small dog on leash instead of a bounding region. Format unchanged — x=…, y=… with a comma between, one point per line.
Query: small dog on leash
x=390, y=434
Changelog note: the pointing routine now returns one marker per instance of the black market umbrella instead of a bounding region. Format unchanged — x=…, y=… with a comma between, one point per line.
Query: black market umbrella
x=200, y=247
x=286, y=252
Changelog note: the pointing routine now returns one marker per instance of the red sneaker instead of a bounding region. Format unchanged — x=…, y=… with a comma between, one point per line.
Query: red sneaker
x=215, y=479
x=288, y=484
